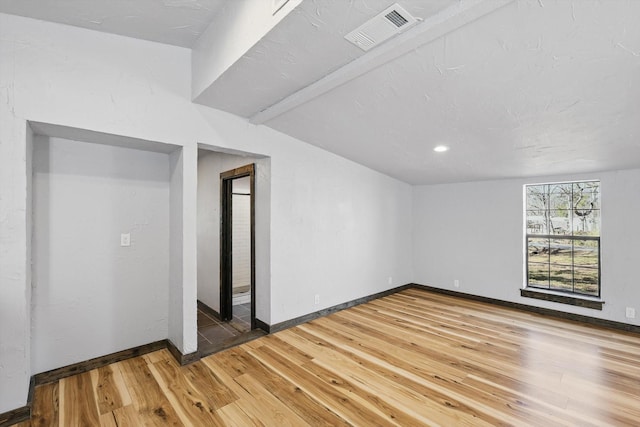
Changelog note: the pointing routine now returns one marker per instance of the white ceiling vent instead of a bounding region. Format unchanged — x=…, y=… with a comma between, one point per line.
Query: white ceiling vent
x=383, y=26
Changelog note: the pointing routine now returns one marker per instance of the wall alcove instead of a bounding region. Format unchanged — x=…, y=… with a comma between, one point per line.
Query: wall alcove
x=92, y=293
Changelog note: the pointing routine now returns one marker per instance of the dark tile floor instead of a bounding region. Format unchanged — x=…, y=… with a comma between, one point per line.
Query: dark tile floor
x=214, y=334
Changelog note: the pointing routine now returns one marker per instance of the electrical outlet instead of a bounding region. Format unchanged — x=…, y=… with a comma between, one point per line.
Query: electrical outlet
x=456, y=283
x=631, y=313
x=125, y=239
x=390, y=280
x=316, y=299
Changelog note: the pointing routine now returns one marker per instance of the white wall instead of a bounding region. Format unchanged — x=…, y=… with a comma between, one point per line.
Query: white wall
x=91, y=296
x=15, y=255
x=176, y=258
x=473, y=232
x=29, y=161
x=338, y=230
x=183, y=263
x=332, y=227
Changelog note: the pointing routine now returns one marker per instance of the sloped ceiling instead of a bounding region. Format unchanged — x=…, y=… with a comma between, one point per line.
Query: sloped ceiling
x=531, y=88
x=306, y=46
x=515, y=88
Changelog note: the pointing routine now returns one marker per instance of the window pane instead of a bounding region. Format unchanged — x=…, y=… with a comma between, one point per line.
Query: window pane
x=586, y=280
x=560, y=220
x=593, y=222
x=585, y=253
x=586, y=222
x=537, y=197
x=586, y=208
x=586, y=194
x=560, y=252
x=560, y=196
x=538, y=275
x=535, y=221
x=538, y=250
x=561, y=277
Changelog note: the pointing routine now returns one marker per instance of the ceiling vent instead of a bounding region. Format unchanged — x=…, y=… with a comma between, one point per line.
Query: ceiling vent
x=383, y=26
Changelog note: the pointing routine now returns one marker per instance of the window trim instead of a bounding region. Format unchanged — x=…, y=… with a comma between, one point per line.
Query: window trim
x=570, y=297
x=578, y=300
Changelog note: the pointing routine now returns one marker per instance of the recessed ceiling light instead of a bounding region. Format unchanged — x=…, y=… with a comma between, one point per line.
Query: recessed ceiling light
x=441, y=149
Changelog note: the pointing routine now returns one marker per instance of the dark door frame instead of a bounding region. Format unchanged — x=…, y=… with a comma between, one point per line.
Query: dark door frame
x=226, y=257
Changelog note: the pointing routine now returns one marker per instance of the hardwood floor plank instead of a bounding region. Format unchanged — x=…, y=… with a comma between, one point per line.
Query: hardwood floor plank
x=360, y=385
x=212, y=388
x=293, y=397
x=588, y=398
x=475, y=358
x=378, y=345
x=267, y=406
x=191, y=406
x=233, y=362
x=45, y=411
x=245, y=406
x=108, y=420
x=158, y=356
x=394, y=387
x=310, y=410
x=326, y=393
x=233, y=415
x=110, y=391
x=484, y=405
x=411, y=358
x=436, y=401
x=218, y=366
x=126, y=416
x=77, y=404
x=153, y=407
x=296, y=355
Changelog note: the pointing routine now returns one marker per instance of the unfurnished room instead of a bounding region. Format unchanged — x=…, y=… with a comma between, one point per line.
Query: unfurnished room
x=319, y=212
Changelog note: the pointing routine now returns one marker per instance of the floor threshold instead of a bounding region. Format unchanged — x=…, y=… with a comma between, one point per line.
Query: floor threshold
x=209, y=349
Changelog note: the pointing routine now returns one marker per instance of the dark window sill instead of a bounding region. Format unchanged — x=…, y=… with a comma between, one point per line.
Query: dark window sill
x=578, y=301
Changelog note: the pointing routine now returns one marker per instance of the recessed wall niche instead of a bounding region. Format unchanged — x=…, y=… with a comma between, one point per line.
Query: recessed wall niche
x=92, y=295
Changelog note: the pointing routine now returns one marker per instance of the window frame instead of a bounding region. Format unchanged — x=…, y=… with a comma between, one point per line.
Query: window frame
x=567, y=237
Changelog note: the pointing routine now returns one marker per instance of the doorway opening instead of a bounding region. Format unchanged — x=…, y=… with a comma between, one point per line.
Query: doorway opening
x=237, y=247
x=233, y=247
x=235, y=321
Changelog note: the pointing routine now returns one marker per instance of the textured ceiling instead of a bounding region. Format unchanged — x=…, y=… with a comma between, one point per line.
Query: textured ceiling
x=515, y=88
x=175, y=22
x=305, y=47
x=533, y=88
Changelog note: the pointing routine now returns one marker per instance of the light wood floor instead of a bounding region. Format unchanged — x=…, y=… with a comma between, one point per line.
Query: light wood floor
x=413, y=358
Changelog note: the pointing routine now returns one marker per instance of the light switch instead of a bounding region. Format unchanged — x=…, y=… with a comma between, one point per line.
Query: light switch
x=125, y=239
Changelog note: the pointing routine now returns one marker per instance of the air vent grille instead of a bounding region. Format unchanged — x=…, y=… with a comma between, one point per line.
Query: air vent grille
x=382, y=27
x=396, y=19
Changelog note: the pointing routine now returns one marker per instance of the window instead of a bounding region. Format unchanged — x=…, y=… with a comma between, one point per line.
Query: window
x=563, y=237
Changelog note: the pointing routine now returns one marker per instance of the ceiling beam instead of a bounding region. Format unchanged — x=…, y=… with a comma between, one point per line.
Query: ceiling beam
x=432, y=28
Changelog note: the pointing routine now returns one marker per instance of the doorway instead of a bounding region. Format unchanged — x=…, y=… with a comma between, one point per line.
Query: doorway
x=237, y=247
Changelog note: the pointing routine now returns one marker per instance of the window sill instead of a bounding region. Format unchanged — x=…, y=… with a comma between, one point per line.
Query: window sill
x=579, y=301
